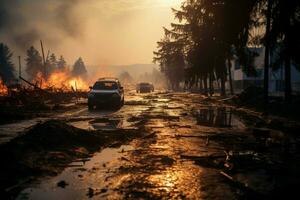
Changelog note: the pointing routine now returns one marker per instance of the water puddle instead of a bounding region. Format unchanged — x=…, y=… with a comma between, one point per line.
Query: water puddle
x=135, y=100
x=83, y=180
x=106, y=124
x=102, y=124
x=217, y=117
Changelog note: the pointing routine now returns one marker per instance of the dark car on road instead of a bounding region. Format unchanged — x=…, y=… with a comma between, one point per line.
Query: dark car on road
x=106, y=92
x=144, y=87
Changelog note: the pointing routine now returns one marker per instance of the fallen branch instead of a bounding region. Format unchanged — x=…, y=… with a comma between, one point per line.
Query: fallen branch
x=33, y=85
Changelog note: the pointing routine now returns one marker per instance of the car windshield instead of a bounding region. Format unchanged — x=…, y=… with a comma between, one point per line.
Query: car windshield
x=105, y=85
x=144, y=84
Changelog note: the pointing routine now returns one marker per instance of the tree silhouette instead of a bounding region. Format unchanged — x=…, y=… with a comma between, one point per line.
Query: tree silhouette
x=285, y=40
x=51, y=64
x=79, y=69
x=125, y=77
x=212, y=32
x=61, y=64
x=53, y=61
x=281, y=39
x=171, y=60
x=6, y=66
x=34, y=63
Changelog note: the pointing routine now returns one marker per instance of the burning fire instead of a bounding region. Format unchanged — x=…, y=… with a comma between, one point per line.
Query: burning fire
x=3, y=88
x=61, y=80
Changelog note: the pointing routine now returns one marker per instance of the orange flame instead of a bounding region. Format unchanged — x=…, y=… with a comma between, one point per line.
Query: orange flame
x=62, y=80
x=3, y=88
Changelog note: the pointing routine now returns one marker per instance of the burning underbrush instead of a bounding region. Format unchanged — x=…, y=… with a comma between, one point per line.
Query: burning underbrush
x=41, y=96
x=61, y=81
x=3, y=88
x=58, y=81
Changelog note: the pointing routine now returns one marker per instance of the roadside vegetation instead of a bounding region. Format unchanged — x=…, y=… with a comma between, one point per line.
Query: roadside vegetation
x=209, y=34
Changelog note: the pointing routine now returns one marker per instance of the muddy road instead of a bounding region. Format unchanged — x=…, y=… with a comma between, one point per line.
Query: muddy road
x=173, y=146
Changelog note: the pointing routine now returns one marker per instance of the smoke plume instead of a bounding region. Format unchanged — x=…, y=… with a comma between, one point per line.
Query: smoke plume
x=23, y=23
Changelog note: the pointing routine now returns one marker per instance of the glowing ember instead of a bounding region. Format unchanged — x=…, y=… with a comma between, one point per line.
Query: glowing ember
x=3, y=88
x=61, y=81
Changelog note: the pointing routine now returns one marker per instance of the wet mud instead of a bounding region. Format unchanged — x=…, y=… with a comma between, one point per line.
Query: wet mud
x=32, y=104
x=169, y=146
x=47, y=148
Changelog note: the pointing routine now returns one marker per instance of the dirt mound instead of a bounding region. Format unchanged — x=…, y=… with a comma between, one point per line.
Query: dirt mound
x=57, y=134
x=48, y=147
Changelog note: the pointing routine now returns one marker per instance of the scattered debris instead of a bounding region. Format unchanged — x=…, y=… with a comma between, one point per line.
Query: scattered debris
x=202, y=154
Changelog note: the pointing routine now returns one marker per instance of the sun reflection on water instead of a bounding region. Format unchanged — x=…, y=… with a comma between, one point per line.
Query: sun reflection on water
x=176, y=180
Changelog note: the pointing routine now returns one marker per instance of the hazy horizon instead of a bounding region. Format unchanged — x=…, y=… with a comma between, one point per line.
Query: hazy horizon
x=103, y=33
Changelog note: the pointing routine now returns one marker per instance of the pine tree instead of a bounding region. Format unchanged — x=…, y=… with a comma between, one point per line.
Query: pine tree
x=34, y=63
x=6, y=66
x=61, y=64
x=209, y=31
x=170, y=57
x=79, y=68
x=285, y=40
x=213, y=32
x=281, y=41
x=53, y=62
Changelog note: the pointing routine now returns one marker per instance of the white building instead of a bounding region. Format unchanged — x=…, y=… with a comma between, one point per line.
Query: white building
x=276, y=82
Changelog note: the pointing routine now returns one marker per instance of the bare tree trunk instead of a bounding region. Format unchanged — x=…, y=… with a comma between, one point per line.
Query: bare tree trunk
x=205, y=84
x=230, y=77
x=288, y=84
x=287, y=64
x=223, y=91
x=267, y=54
x=201, y=84
x=219, y=86
x=211, y=84
x=196, y=82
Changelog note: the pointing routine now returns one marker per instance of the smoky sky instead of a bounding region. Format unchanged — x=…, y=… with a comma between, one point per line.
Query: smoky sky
x=102, y=32
x=24, y=22
x=66, y=20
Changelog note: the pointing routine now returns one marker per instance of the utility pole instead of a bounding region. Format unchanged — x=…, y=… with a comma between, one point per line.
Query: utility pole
x=287, y=57
x=44, y=61
x=20, y=69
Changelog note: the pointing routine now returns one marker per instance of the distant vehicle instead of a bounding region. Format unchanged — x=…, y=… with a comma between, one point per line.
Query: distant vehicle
x=106, y=91
x=144, y=88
